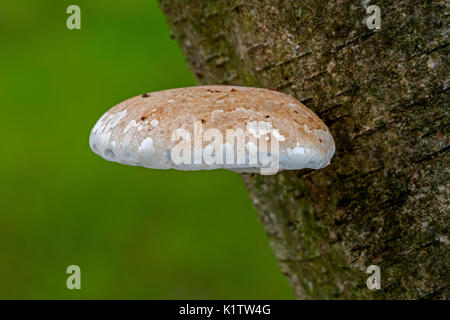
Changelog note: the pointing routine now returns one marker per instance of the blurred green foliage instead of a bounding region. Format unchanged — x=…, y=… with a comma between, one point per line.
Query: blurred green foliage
x=135, y=233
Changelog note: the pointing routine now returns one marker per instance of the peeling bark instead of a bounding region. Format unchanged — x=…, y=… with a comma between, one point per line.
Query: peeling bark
x=384, y=200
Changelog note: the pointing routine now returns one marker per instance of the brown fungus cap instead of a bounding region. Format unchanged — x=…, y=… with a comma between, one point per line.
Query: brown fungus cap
x=145, y=130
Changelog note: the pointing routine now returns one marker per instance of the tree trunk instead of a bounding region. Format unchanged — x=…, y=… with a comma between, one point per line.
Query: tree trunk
x=384, y=199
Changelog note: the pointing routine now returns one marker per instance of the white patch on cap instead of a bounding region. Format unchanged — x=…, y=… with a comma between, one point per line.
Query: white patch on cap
x=261, y=128
x=146, y=146
x=258, y=128
x=130, y=125
x=101, y=133
x=154, y=123
x=277, y=135
x=133, y=124
x=146, y=153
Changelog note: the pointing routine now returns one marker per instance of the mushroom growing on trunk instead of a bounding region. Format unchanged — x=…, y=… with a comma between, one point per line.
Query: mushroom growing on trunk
x=241, y=129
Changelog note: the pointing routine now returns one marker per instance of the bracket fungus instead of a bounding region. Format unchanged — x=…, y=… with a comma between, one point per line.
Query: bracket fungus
x=242, y=129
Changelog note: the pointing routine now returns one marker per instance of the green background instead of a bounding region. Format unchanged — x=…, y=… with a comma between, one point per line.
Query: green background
x=135, y=233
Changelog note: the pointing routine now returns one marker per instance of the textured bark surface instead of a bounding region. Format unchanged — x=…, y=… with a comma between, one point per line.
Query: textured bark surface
x=384, y=199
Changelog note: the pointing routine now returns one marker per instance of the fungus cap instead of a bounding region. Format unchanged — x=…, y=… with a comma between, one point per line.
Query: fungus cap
x=141, y=131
